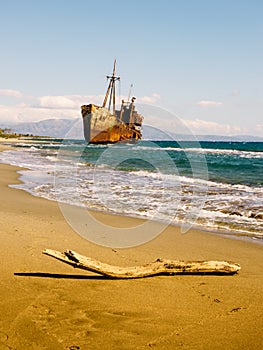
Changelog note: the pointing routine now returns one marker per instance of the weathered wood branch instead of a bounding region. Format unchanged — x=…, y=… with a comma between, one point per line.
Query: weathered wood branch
x=158, y=267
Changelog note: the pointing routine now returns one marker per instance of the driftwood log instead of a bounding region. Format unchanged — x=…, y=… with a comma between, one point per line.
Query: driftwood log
x=158, y=267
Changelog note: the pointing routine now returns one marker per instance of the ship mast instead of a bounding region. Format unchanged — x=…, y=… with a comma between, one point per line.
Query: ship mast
x=130, y=93
x=111, y=90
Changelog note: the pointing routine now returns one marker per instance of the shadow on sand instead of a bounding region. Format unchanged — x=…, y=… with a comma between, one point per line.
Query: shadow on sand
x=59, y=275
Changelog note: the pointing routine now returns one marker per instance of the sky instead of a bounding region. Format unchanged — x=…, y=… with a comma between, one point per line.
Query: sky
x=201, y=60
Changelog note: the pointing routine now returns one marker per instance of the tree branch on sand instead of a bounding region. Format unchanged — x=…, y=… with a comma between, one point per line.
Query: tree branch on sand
x=158, y=267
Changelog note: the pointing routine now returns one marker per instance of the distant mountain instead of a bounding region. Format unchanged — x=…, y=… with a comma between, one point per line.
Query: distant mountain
x=69, y=128
x=72, y=128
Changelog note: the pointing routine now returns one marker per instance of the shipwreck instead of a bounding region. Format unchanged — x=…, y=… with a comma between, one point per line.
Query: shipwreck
x=104, y=124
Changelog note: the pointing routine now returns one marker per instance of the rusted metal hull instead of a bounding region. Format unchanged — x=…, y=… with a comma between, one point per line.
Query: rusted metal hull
x=100, y=126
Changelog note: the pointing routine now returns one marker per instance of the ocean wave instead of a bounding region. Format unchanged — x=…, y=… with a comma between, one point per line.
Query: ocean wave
x=241, y=153
x=142, y=193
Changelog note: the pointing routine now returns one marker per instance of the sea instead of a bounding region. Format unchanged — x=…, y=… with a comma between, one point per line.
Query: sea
x=215, y=186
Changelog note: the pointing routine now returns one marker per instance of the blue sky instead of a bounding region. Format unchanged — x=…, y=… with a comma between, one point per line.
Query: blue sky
x=202, y=60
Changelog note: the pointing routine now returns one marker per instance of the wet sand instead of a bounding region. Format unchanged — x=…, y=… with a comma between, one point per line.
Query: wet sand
x=46, y=304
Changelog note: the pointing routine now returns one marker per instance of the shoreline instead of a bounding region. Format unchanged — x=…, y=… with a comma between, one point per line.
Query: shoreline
x=243, y=236
x=52, y=306
x=232, y=234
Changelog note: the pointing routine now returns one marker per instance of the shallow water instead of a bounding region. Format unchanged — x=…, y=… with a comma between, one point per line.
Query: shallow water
x=211, y=185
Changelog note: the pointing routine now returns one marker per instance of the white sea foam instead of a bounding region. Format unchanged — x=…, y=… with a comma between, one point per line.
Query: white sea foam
x=156, y=195
x=231, y=152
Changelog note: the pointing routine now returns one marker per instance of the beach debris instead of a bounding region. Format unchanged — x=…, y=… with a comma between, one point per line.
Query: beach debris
x=236, y=309
x=158, y=267
x=217, y=301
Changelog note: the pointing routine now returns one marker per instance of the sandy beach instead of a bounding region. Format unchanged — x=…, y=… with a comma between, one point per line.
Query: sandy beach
x=46, y=304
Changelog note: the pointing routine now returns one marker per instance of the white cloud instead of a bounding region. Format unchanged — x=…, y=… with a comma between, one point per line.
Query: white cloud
x=26, y=113
x=199, y=126
x=12, y=93
x=86, y=99
x=56, y=102
x=149, y=99
x=68, y=101
x=205, y=103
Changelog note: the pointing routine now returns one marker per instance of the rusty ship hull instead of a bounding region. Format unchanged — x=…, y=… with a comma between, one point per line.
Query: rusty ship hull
x=100, y=126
